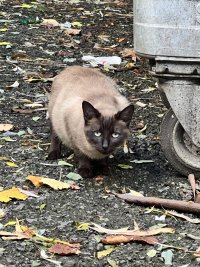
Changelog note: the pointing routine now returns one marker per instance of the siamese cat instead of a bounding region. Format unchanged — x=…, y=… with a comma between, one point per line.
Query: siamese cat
x=88, y=115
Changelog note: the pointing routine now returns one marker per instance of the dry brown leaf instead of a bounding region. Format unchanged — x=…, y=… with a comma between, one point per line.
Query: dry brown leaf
x=63, y=249
x=124, y=231
x=50, y=23
x=118, y=239
x=6, y=127
x=128, y=52
x=7, y=195
x=21, y=232
x=176, y=214
x=70, y=31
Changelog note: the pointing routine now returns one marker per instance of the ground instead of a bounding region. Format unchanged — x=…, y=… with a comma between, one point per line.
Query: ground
x=38, y=51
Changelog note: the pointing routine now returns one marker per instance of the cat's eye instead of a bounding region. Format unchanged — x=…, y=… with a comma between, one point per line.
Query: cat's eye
x=115, y=135
x=97, y=133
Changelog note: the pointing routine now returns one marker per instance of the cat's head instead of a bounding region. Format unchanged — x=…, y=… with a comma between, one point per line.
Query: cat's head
x=106, y=133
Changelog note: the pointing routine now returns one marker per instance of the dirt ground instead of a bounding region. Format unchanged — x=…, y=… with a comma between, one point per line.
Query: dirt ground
x=36, y=53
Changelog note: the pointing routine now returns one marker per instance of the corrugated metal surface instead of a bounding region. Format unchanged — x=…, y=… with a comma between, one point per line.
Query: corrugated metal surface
x=167, y=27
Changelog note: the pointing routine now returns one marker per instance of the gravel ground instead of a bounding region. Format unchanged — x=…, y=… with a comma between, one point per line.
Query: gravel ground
x=37, y=51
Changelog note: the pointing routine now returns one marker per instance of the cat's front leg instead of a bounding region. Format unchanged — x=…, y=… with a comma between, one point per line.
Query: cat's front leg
x=101, y=167
x=84, y=164
x=55, y=146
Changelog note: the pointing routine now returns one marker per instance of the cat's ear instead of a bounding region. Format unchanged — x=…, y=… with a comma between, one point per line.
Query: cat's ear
x=125, y=114
x=89, y=112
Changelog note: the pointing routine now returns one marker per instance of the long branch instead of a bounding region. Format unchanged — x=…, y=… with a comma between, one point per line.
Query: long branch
x=180, y=205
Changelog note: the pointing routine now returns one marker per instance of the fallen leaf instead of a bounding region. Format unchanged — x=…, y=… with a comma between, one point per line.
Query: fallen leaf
x=50, y=23
x=125, y=231
x=11, y=164
x=76, y=24
x=28, y=193
x=82, y=226
x=2, y=213
x=7, y=195
x=118, y=239
x=103, y=253
x=112, y=262
x=141, y=104
x=63, y=249
x=47, y=258
x=64, y=163
x=176, y=214
x=70, y=31
x=128, y=52
x=6, y=127
x=35, y=118
x=21, y=232
x=7, y=139
x=74, y=176
x=14, y=85
x=3, y=29
x=42, y=206
x=4, y=43
x=55, y=184
x=151, y=253
x=125, y=166
x=36, y=180
x=167, y=255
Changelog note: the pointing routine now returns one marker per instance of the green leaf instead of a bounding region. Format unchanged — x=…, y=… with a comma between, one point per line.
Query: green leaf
x=74, y=176
x=64, y=163
x=103, y=253
x=151, y=253
x=125, y=166
x=167, y=255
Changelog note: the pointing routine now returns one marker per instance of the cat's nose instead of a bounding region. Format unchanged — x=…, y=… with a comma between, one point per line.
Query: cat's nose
x=105, y=144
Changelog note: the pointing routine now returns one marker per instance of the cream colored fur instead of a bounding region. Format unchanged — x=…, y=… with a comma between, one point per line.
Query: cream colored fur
x=70, y=88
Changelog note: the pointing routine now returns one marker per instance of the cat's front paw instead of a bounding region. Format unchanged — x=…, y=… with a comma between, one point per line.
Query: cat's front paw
x=53, y=155
x=85, y=172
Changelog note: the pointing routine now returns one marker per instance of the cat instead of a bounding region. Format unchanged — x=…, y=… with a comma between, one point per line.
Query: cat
x=89, y=115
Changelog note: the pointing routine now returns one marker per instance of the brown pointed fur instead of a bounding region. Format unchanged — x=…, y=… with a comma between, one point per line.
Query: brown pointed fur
x=70, y=88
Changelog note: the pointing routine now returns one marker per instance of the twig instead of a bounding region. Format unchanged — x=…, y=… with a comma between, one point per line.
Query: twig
x=183, y=206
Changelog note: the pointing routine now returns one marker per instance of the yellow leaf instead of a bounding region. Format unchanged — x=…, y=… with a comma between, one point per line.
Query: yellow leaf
x=36, y=180
x=6, y=127
x=5, y=43
x=3, y=29
x=11, y=164
x=26, y=6
x=10, y=223
x=82, y=226
x=103, y=253
x=7, y=195
x=55, y=184
x=76, y=24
